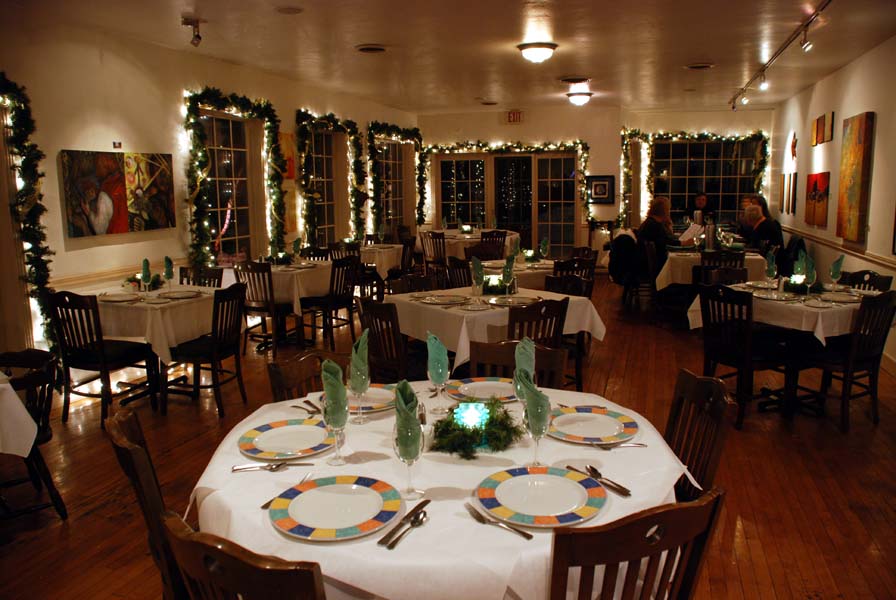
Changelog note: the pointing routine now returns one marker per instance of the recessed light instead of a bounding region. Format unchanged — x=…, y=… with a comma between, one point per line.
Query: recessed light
x=488, y=103
x=700, y=66
x=289, y=10
x=370, y=48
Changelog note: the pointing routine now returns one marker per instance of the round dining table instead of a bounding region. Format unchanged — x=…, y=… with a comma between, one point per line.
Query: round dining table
x=451, y=555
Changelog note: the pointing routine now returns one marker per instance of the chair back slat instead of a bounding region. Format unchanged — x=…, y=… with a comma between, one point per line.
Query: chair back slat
x=498, y=359
x=227, y=318
x=583, y=267
x=730, y=259
x=484, y=251
x=869, y=280
x=388, y=351
x=407, y=254
x=570, y=285
x=344, y=276
x=314, y=254
x=433, y=245
x=459, y=274
x=413, y=283
x=727, y=323
x=259, y=282
x=494, y=241
x=871, y=328
x=584, y=252
x=712, y=275
x=675, y=535
x=300, y=375
x=76, y=321
x=343, y=249
x=202, y=276
x=542, y=322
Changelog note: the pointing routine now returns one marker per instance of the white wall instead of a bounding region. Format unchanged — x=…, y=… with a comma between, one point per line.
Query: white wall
x=90, y=88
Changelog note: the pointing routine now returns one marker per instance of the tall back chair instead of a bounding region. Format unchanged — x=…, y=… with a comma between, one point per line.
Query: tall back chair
x=32, y=373
x=494, y=240
x=203, y=276
x=300, y=375
x=314, y=254
x=344, y=274
x=869, y=280
x=583, y=267
x=570, y=285
x=76, y=322
x=259, y=282
x=583, y=252
x=459, y=273
x=388, y=352
x=542, y=322
x=722, y=275
x=213, y=567
x=722, y=259
x=656, y=553
x=434, y=262
x=342, y=249
x=498, y=359
x=130, y=448
x=696, y=431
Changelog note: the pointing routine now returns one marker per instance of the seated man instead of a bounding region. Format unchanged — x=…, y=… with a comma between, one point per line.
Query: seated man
x=764, y=232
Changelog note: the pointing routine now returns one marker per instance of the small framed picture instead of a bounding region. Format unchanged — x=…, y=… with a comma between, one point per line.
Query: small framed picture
x=601, y=189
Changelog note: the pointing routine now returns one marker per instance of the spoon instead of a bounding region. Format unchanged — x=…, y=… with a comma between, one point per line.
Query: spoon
x=625, y=445
x=609, y=483
x=273, y=467
x=419, y=519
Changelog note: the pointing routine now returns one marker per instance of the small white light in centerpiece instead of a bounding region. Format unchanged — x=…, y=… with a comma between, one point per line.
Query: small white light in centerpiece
x=529, y=253
x=798, y=278
x=472, y=415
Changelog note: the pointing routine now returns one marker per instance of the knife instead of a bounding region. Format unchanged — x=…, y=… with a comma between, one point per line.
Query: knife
x=406, y=519
x=313, y=406
x=607, y=483
x=250, y=467
x=478, y=516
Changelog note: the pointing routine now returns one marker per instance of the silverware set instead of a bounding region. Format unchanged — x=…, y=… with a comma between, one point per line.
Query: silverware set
x=273, y=467
x=413, y=519
x=611, y=485
x=267, y=504
x=310, y=407
x=481, y=518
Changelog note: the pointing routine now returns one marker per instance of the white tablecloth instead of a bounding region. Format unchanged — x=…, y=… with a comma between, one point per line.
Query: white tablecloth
x=163, y=326
x=528, y=275
x=17, y=428
x=383, y=256
x=451, y=556
x=291, y=285
x=455, y=242
x=456, y=327
x=679, y=268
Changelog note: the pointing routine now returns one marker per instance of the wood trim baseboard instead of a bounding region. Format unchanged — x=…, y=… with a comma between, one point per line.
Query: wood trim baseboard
x=119, y=275
x=875, y=259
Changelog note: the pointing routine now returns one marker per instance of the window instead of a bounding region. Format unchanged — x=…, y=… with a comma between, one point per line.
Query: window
x=321, y=178
x=722, y=170
x=513, y=196
x=463, y=191
x=391, y=174
x=557, y=204
x=229, y=213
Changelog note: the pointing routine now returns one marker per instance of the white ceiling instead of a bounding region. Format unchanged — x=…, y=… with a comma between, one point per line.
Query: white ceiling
x=444, y=54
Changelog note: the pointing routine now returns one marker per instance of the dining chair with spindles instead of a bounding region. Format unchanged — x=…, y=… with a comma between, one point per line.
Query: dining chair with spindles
x=202, y=276
x=869, y=280
x=344, y=274
x=494, y=240
x=434, y=255
x=300, y=375
x=731, y=259
x=498, y=359
x=459, y=273
x=260, y=302
x=542, y=322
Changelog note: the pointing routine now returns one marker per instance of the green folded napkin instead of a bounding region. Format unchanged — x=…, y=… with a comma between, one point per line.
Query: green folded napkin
x=437, y=359
x=359, y=377
x=297, y=245
x=407, y=425
x=771, y=269
x=836, y=268
x=494, y=222
x=735, y=246
x=515, y=247
x=538, y=407
x=478, y=274
x=799, y=265
x=507, y=273
x=525, y=356
x=336, y=405
x=543, y=247
x=444, y=222
x=146, y=276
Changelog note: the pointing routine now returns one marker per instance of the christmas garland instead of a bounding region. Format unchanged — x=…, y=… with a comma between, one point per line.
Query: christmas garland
x=199, y=165
x=306, y=124
x=27, y=206
x=376, y=130
x=499, y=433
x=423, y=165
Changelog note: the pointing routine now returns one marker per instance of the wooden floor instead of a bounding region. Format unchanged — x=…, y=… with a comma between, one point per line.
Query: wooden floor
x=809, y=513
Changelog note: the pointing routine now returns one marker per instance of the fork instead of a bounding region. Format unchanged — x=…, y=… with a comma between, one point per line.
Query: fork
x=625, y=445
x=273, y=467
x=609, y=483
x=267, y=504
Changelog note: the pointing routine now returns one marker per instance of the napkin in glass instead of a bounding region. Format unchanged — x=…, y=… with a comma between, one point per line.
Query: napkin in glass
x=507, y=274
x=359, y=376
x=538, y=407
x=146, y=276
x=770, y=268
x=169, y=268
x=799, y=266
x=336, y=405
x=836, y=268
x=437, y=359
x=478, y=274
x=525, y=356
x=543, y=247
x=407, y=425
x=444, y=223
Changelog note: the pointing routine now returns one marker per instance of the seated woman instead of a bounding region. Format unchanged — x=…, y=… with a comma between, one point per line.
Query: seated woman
x=657, y=228
x=765, y=231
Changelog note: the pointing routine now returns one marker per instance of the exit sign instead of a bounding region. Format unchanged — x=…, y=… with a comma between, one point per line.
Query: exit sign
x=514, y=117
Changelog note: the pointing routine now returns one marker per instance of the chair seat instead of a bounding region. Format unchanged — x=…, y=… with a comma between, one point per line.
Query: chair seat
x=119, y=353
x=200, y=350
x=282, y=308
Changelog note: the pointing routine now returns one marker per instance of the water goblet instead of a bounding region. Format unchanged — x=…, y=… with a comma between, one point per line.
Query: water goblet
x=335, y=417
x=537, y=425
x=771, y=271
x=336, y=459
x=407, y=452
x=810, y=281
x=359, y=383
x=438, y=377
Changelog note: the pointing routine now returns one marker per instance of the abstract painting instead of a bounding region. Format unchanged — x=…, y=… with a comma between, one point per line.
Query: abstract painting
x=787, y=199
x=817, y=192
x=116, y=192
x=855, y=177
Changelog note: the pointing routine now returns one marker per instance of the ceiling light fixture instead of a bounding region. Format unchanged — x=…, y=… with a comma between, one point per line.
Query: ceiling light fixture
x=579, y=92
x=537, y=52
x=194, y=23
x=805, y=44
x=370, y=48
x=744, y=100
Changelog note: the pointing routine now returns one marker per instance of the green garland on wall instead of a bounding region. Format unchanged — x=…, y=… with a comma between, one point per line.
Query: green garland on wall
x=377, y=130
x=306, y=124
x=27, y=206
x=199, y=165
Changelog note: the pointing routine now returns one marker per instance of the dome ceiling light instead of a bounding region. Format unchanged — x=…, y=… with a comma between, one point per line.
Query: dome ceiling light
x=579, y=91
x=537, y=52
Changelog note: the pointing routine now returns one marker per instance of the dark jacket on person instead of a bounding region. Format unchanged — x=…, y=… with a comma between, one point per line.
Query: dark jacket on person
x=766, y=233
x=652, y=230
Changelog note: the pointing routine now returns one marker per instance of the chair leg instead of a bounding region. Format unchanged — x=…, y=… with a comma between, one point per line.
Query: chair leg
x=245, y=337
x=351, y=321
x=37, y=461
x=66, y=392
x=844, y=401
x=873, y=376
x=275, y=327
x=580, y=350
x=216, y=387
x=163, y=385
x=744, y=393
x=826, y=378
x=239, y=376
x=197, y=379
x=33, y=475
x=106, y=397
x=709, y=367
x=152, y=376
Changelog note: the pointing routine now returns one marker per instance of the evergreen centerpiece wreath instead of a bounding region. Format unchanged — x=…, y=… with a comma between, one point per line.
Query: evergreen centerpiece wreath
x=27, y=206
x=377, y=130
x=306, y=125
x=498, y=431
x=199, y=166
x=424, y=162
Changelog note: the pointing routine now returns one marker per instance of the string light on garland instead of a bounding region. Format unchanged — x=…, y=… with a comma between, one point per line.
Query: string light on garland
x=199, y=167
x=27, y=205
x=377, y=131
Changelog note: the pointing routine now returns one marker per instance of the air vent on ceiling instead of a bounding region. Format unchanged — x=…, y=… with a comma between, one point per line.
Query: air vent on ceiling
x=700, y=66
x=370, y=48
x=290, y=10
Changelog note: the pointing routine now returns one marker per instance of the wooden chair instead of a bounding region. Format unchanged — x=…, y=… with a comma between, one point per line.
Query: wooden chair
x=857, y=356
x=434, y=256
x=642, y=284
x=76, y=323
x=696, y=431
x=494, y=241
x=869, y=280
x=412, y=283
x=484, y=252
x=259, y=282
x=459, y=273
x=723, y=275
x=213, y=348
x=343, y=277
x=389, y=357
x=729, y=339
x=499, y=360
x=32, y=372
x=658, y=551
x=577, y=344
x=583, y=267
x=342, y=249
x=203, y=276
x=722, y=258
x=584, y=252
x=407, y=259
x=213, y=567
x=542, y=322
x=300, y=375
x=314, y=254
x=130, y=448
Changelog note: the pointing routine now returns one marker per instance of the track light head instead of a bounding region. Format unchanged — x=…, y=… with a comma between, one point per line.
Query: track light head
x=193, y=23
x=763, y=83
x=805, y=44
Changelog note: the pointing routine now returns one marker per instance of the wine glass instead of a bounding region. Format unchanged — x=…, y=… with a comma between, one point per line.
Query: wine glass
x=771, y=271
x=811, y=275
x=834, y=272
x=438, y=377
x=507, y=279
x=537, y=425
x=381, y=235
x=359, y=383
x=335, y=417
x=407, y=452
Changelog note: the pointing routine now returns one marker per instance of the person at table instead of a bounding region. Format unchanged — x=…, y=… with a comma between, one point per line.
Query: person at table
x=765, y=231
x=700, y=203
x=657, y=228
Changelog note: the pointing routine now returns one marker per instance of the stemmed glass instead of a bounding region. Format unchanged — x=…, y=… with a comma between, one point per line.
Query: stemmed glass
x=335, y=417
x=438, y=378
x=358, y=383
x=771, y=271
x=834, y=272
x=507, y=279
x=408, y=453
x=537, y=425
x=811, y=275
x=381, y=235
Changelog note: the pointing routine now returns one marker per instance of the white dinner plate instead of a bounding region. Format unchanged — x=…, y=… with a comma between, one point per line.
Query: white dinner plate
x=817, y=303
x=480, y=389
x=157, y=301
x=840, y=297
x=180, y=294
x=444, y=300
x=420, y=295
x=591, y=425
x=378, y=397
x=513, y=300
x=474, y=307
x=117, y=297
x=776, y=296
x=762, y=285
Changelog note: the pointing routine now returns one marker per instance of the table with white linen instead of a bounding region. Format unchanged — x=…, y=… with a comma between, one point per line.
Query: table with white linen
x=679, y=268
x=457, y=327
x=162, y=326
x=451, y=556
x=292, y=283
x=529, y=275
x=455, y=242
x=17, y=428
x=382, y=256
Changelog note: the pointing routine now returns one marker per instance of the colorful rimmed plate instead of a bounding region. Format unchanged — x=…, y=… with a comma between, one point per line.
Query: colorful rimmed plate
x=513, y=300
x=591, y=425
x=861, y=292
x=445, y=300
x=840, y=297
x=157, y=301
x=817, y=303
x=776, y=296
x=180, y=295
x=118, y=297
x=286, y=439
x=330, y=509
x=378, y=397
x=304, y=265
x=541, y=496
x=762, y=285
x=480, y=389
x=474, y=307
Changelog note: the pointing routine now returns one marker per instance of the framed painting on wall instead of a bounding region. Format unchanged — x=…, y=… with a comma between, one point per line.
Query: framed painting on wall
x=116, y=192
x=855, y=177
x=601, y=189
x=817, y=192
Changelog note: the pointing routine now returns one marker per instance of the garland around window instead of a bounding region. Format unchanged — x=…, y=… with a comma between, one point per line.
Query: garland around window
x=27, y=206
x=377, y=130
x=306, y=124
x=199, y=165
